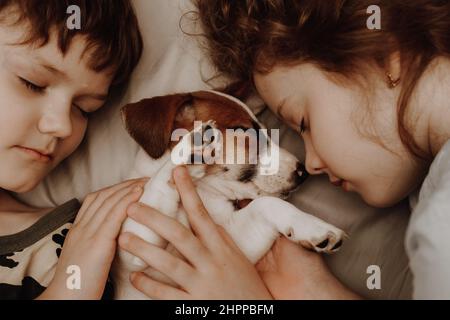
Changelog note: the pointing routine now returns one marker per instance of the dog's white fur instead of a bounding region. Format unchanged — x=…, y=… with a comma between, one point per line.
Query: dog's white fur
x=253, y=228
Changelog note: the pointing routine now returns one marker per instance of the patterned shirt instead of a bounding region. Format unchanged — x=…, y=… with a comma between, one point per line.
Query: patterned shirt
x=28, y=259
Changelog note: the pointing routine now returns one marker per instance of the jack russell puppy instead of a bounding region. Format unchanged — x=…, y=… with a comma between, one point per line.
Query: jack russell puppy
x=239, y=197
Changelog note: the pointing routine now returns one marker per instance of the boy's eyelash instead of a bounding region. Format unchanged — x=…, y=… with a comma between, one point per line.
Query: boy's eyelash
x=31, y=86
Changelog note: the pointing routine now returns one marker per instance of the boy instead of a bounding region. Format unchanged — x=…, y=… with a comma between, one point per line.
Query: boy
x=51, y=79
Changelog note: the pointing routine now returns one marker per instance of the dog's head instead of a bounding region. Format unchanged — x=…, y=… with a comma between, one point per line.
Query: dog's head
x=151, y=123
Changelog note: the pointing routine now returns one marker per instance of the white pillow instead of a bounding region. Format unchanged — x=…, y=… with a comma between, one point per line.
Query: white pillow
x=173, y=62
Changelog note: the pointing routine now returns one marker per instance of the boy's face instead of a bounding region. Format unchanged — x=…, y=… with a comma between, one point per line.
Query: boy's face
x=43, y=100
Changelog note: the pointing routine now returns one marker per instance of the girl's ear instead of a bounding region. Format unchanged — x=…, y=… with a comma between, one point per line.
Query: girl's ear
x=150, y=121
x=394, y=69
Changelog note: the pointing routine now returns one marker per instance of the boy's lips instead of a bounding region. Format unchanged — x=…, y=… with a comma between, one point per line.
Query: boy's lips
x=38, y=154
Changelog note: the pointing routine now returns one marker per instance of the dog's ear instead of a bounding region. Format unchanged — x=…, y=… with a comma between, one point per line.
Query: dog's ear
x=150, y=121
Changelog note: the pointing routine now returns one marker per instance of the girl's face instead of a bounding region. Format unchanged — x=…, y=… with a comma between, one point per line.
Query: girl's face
x=44, y=98
x=334, y=123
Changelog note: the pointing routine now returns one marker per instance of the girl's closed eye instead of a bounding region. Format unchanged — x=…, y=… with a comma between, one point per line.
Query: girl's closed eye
x=32, y=86
x=302, y=126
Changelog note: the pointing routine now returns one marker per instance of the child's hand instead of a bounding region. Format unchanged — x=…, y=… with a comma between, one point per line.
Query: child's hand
x=216, y=268
x=92, y=240
x=292, y=272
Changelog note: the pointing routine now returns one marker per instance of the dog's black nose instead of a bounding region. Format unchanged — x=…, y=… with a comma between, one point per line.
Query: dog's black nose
x=302, y=174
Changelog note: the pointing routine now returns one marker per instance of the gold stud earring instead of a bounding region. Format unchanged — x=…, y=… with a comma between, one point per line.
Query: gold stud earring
x=391, y=82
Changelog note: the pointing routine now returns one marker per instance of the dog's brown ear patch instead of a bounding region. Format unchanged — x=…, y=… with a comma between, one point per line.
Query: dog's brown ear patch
x=150, y=121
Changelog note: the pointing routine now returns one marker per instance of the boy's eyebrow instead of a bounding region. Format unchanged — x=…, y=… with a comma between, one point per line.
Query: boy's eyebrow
x=49, y=67
x=96, y=96
x=52, y=69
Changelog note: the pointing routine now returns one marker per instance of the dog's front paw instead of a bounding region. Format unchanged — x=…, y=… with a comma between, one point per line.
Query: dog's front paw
x=313, y=233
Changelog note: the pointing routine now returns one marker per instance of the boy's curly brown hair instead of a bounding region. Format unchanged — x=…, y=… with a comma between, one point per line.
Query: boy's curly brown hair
x=254, y=35
x=110, y=27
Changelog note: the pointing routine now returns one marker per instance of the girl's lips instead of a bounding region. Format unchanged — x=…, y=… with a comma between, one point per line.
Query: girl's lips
x=341, y=183
x=345, y=185
x=337, y=183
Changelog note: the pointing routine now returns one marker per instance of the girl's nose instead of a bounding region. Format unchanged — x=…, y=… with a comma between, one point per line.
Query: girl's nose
x=314, y=165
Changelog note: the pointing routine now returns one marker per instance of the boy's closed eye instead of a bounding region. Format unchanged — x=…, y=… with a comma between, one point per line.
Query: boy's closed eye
x=85, y=110
x=41, y=89
x=32, y=86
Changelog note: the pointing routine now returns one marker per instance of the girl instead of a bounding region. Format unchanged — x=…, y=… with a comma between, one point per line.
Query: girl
x=50, y=80
x=372, y=107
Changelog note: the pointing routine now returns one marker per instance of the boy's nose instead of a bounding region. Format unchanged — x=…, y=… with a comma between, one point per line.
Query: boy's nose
x=57, y=124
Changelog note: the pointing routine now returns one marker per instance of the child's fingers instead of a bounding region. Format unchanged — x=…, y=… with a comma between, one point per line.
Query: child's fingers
x=156, y=290
x=114, y=220
x=95, y=200
x=110, y=205
x=228, y=239
x=96, y=206
x=159, y=259
x=173, y=231
x=198, y=216
x=105, y=192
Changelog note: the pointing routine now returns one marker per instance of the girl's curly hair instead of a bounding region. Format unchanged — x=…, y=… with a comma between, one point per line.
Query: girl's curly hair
x=248, y=36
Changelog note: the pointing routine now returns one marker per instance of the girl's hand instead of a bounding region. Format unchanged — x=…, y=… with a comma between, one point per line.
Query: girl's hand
x=215, y=267
x=91, y=241
x=292, y=272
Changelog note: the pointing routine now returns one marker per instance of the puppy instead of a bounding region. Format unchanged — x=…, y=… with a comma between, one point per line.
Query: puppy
x=241, y=197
